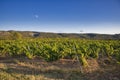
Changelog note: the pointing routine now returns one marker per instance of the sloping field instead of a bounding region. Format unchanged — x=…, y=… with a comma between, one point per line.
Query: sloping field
x=59, y=59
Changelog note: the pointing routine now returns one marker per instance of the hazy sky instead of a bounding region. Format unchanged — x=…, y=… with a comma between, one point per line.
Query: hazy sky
x=68, y=16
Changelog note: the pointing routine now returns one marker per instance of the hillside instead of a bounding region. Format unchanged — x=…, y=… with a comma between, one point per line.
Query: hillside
x=32, y=34
x=28, y=55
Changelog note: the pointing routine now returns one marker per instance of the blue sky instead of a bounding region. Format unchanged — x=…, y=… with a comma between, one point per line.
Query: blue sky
x=61, y=16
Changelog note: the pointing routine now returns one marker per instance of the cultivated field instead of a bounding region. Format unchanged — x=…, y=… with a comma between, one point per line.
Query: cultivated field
x=59, y=59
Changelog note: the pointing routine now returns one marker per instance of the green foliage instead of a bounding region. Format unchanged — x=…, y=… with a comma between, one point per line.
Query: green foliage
x=16, y=35
x=53, y=49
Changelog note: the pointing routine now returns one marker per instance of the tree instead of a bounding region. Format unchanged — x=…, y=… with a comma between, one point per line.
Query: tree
x=16, y=35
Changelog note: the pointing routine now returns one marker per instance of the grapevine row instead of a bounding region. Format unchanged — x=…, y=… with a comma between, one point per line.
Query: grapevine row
x=54, y=49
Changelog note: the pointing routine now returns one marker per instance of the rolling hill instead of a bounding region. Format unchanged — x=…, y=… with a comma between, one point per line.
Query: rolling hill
x=34, y=34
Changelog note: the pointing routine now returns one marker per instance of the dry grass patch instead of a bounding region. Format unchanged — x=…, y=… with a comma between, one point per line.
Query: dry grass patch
x=65, y=69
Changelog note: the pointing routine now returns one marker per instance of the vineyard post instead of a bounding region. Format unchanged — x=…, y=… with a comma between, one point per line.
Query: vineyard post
x=76, y=56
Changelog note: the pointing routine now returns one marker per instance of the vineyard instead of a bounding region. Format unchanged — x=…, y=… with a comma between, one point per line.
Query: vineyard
x=61, y=48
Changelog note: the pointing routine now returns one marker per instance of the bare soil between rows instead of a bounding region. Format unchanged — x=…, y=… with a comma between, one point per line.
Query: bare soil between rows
x=63, y=69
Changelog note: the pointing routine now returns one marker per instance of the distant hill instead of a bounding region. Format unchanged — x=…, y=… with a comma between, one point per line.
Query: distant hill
x=33, y=34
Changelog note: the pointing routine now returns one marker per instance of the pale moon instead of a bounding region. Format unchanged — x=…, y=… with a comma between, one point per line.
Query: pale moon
x=36, y=16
